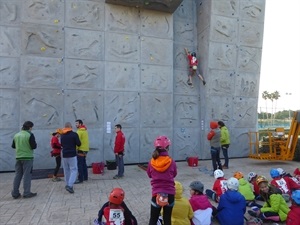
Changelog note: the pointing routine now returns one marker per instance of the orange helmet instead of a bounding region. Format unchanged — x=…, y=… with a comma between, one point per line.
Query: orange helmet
x=238, y=175
x=116, y=196
x=260, y=179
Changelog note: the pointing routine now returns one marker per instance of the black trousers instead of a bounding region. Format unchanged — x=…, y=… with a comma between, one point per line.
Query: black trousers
x=155, y=211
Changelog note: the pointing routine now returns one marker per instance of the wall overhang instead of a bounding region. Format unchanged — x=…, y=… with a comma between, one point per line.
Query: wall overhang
x=159, y=5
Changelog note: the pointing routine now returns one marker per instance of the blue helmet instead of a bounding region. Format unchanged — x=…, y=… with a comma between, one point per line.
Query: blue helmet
x=274, y=173
x=296, y=196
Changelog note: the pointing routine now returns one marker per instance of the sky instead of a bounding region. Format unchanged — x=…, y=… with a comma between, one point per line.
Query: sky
x=280, y=66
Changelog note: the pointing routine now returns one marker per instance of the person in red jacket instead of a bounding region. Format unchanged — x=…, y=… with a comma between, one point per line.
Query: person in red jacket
x=293, y=217
x=119, y=151
x=56, y=150
x=219, y=187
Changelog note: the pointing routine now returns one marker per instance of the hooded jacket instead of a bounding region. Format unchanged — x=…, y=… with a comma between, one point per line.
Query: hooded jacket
x=162, y=172
x=200, y=205
x=231, y=208
x=225, y=136
x=84, y=138
x=214, y=135
x=182, y=211
x=69, y=141
x=277, y=204
x=246, y=190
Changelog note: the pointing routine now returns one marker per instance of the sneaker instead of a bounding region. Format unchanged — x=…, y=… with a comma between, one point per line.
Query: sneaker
x=252, y=213
x=30, y=195
x=70, y=189
x=118, y=177
x=56, y=179
x=78, y=182
x=225, y=167
x=17, y=196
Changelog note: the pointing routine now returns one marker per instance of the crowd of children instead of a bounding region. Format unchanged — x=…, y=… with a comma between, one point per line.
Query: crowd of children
x=232, y=196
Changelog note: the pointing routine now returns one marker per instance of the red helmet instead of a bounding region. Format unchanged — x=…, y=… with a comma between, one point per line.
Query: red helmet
x=162, y=142
x=116, y=196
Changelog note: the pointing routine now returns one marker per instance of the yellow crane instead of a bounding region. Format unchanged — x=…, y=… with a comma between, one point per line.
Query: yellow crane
x=277, y=145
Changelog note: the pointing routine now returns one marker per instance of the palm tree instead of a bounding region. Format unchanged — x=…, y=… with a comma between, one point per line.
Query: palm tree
x=265, y=96
x=276, y=96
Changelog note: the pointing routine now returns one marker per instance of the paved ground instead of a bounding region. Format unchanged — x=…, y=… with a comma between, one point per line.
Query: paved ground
x=54, y=205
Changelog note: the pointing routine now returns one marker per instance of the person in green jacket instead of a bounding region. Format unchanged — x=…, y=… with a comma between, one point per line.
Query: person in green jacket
x=246, y=190
x=82, y=151
x=275, y=208
x=24, y=143
x=225, y=142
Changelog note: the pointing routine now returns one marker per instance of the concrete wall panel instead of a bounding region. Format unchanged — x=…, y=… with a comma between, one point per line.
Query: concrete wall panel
x=123, y=108
x=38, y=72
x=9, y=72
x=221, y=83
x=43, y=11
x=86, y=105
x=252, y=10
x=156, y=110
x=184, y=30
x=218, y=108
x=156, y=24
x=185, y=144
x=251, y=34
x=84, y=44
x=85, y=15
x=222, y=56
x=247, y=85
x=224, y=29
x=9, y=109
x=122, y=47
x=122, y=19
x=122, y=76
x=10, y=45
x=43, y=106
x=245, y=113
x=226, y=8
x=156, y=78
x=10, y=12
x=249, y=59
x=84, y=74
x=42, y=40
x=7, y=153
x=156, y=51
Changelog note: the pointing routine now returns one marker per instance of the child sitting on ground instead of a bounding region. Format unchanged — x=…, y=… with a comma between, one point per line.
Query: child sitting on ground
x=252, y=180
x=219, y=186
x=297, y=173
x=182, y=211
x=115, y=211
x=293, y=217
x=203, y=209
x=246, y=190
x=232, y=205
x=275, y=208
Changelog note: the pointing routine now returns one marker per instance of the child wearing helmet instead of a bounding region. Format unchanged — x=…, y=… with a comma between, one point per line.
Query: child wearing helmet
x=162, y=170
x=219, y=187
x=275, y=208
x=115, y=211
x=232, y=205
x=202, y=207
x=293, y=217
x=193, y=66
x=297, y=173
x=251, y=177
x=182, y=211
x=285, y=184
x=214, y=137
x=246, y=189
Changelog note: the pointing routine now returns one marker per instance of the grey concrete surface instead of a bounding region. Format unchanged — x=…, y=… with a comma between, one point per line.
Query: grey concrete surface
x=54, y=205
x=105, y=63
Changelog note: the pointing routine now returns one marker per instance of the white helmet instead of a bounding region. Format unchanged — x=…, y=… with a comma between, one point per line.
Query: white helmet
x=281, y=171
x=251, y=175
x=218, y=173
x=233, y=183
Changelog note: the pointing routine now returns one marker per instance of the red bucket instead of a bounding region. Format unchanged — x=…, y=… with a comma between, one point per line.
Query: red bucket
x=193, y=161
x=98, y=168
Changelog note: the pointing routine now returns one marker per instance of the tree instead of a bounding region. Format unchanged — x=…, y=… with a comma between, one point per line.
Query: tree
x=265, y=96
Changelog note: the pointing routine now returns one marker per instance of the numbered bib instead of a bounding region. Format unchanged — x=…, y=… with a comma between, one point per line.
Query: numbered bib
x=116, y=217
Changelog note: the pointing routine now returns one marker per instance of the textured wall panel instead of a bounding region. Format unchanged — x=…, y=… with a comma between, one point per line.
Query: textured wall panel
x=9, y=109
x=84, y=74
x=85, y=15
x=10, y=45
x=39, y=72
x=10, y=12
x=84, y=44
x=9, y=72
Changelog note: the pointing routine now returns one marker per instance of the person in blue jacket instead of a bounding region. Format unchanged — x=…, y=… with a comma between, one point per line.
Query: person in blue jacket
x=232, y=205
